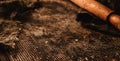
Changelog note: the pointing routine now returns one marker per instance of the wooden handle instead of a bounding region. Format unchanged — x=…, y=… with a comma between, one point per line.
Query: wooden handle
x=99, y=10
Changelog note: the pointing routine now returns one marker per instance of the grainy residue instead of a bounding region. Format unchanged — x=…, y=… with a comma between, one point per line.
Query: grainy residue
x=56, y=31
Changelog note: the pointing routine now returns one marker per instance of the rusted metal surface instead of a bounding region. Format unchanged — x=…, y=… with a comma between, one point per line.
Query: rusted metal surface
x=55, y=32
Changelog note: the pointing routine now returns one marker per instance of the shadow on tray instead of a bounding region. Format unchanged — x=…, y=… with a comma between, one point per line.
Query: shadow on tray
x=17, y=11
x=90, y=22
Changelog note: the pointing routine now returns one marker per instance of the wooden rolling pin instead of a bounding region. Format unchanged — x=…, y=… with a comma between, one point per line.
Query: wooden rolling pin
x=100, y=11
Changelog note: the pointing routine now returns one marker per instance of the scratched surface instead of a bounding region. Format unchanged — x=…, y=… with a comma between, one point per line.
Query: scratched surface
x=59, y=31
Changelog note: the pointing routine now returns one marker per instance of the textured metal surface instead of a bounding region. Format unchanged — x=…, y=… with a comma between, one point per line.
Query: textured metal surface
x=53, y=33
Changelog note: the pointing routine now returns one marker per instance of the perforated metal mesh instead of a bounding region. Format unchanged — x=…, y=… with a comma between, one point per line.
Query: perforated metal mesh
x=53, y=33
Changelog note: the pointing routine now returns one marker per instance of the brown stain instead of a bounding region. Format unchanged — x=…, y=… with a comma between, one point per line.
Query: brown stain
x=52, y=32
